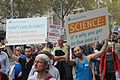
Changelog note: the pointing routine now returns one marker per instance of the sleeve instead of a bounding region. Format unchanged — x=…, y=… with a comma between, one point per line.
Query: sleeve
x=7, y=64
x=57, y=75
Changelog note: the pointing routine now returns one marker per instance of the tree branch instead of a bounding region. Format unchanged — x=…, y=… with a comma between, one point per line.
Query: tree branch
x=69, y=9
x=57, y=13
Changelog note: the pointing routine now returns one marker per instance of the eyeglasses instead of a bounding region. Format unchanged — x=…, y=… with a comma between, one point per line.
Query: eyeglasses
x=41, y=62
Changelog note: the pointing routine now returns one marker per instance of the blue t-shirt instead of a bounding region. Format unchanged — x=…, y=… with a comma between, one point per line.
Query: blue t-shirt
x=83, y=70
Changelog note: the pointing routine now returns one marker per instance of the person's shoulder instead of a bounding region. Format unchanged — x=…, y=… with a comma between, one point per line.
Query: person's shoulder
x=88, y=56
x=57, y=47
x=23, y=56
x=4, y=53
x=53, y=68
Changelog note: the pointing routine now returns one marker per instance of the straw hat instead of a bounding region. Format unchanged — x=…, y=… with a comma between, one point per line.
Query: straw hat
x=1, y=46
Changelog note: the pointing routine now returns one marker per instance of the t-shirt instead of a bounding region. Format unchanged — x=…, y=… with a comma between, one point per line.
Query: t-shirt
x=26, y=67
x=109, y=63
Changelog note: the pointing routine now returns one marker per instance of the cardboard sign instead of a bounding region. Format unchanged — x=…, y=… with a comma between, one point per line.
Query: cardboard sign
x=87, y=27
x=26, y=31
x=54, y=32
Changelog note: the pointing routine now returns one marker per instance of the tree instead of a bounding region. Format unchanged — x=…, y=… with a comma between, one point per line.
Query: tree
x=23, y=8
x=114, y=10
x=4, y=10
x=63, y=7
x=30, y=8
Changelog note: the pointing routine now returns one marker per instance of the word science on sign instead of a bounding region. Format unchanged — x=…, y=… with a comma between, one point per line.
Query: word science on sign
x=87, y=27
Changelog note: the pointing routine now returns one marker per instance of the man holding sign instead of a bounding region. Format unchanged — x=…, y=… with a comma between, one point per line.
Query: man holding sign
x=85, y=28
x=82, y=63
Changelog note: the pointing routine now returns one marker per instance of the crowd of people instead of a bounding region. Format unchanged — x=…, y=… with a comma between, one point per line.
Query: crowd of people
x=95, y=61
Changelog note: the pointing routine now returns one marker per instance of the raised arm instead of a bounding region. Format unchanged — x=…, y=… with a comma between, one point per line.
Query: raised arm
x=96, y=55
x=11, y=54
x=73, y=61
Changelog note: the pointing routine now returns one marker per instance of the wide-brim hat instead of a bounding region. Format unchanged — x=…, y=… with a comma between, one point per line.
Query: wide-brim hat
x=1, y=46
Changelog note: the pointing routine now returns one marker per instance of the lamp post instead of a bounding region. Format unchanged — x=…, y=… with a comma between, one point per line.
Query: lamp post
x=62, y=15
x=11, y=6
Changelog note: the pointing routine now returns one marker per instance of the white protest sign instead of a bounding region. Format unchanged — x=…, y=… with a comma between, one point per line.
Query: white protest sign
x=54, y=32
x=87, y=27
x=26, y=31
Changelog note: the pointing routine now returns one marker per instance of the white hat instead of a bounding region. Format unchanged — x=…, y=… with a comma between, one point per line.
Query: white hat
x=109, y=44
x=44, y=56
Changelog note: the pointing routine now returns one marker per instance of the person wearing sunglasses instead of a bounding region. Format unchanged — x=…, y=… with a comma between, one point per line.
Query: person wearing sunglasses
x=26, y=63
x=16, y=69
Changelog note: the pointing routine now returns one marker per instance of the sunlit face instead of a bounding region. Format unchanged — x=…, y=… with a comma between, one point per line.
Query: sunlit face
x=28, y=52
x=40, y=64
x=78, y=51
x=18, y=51
x=95, y=44
x=60, y=41
x=109, y=50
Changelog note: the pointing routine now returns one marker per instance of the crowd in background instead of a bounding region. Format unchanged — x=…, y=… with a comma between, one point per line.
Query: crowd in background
x=56, y=61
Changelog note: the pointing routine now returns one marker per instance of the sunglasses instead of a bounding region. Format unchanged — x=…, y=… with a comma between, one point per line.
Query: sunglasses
x=17, y=50
x=41, y=62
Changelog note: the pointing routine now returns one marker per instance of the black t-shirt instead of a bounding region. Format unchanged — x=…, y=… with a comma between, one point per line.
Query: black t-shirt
x=109, y=63
x=26, y=67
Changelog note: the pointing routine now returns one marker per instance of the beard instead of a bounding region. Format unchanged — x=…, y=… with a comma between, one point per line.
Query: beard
x=80, y=55
x=28, y=55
